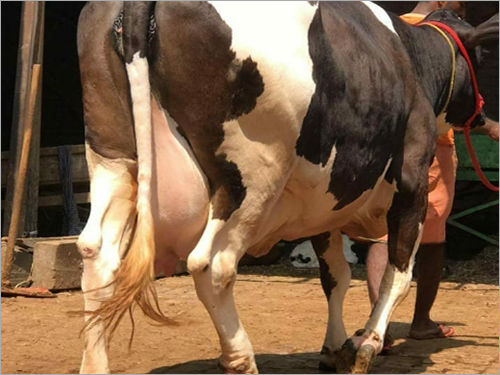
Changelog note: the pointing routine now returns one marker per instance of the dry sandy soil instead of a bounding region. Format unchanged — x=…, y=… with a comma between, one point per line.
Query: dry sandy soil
x=284, y=312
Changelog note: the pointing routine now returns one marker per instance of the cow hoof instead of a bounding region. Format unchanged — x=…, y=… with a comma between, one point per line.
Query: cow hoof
x=243, y=365
x=351, y=360
x=328, y=360
x=364, y=359
x=346, y=357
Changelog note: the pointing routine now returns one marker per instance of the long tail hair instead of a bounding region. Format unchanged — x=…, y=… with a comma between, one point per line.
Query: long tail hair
x=133, y=282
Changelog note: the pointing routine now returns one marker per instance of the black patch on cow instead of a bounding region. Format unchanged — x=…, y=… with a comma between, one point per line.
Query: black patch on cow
x=359, y=101
x=430, y=57
x=106, y=99
x=321, y=243
x=117, y=32
x=232, y=192
x=248, y=86
x=136, y=28
x=191, y=66
x=462, y=103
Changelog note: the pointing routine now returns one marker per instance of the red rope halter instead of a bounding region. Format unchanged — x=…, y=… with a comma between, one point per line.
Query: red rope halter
x=478, y=106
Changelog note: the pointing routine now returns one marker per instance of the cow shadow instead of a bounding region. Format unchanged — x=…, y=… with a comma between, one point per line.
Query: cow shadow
x=406, y=356
x=296, y=363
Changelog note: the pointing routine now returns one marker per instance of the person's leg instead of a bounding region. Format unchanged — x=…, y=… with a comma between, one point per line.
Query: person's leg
x=429, y=265
x=376, y=261
x=430, y=257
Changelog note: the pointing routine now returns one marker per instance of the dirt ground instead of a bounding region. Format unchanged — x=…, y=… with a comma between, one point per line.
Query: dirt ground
x=284, y=312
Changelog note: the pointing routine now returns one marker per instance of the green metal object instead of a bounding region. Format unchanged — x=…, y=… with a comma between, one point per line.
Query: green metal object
x=474, y=209
x=487, y=154
x=474, y=232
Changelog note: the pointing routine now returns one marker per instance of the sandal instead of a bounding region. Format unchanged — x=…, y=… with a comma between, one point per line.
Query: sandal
x=442, y=331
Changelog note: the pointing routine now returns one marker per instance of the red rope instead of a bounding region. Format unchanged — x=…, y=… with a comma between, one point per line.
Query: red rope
x=475, y=162
x=478, y=106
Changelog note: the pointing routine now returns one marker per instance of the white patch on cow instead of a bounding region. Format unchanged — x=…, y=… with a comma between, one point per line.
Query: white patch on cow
x=200, y=258
x=112, y=197
x=275, y=35
x=103, y=241
x=381, y=15
x=393, y=289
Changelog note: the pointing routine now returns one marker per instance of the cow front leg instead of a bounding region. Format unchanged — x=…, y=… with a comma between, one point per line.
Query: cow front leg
x=102, y=243
x=405, y=223
x=360, y=350
x=213, y=265
x=335, y=276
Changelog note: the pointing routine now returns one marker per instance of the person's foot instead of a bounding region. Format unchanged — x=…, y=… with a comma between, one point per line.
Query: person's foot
x=431, y=330
x=388, y=341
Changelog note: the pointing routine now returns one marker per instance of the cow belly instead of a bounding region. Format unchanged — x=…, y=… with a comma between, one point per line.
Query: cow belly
x=179, y=193
x=305, y=208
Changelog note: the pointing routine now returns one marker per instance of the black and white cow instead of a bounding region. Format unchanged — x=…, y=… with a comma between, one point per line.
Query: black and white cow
x=251, y=122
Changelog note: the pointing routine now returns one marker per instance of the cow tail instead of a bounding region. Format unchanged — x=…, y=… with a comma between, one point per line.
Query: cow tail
x=134, y=279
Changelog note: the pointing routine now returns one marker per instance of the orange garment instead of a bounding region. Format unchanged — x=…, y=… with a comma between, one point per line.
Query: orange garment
x=442, y=175
x=414, y=18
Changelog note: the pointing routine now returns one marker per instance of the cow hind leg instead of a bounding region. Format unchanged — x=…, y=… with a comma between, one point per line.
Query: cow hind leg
x=405, y=223
x=335, y=276
x=102, y=243
x=213, y=265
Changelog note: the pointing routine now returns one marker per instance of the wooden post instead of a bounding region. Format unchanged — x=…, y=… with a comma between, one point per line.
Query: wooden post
x=33, y=177
x=30, y=49
x=20, y=178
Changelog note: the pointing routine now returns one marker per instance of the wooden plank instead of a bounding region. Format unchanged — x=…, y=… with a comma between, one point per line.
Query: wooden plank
x=57, y=200
x=29, y=243
x=52, y=151
x=27, y=36
x=49, y=166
